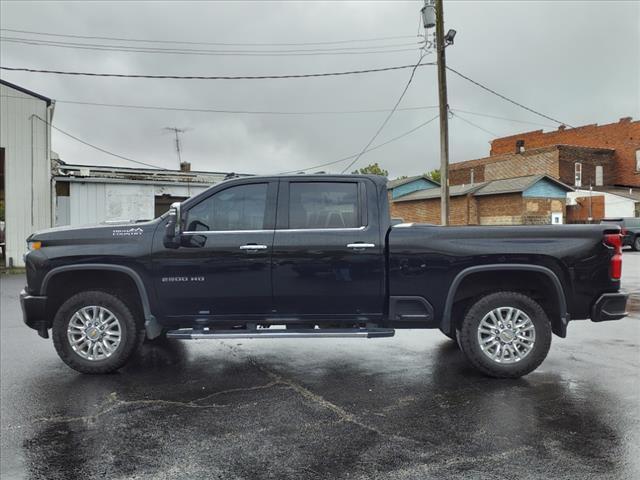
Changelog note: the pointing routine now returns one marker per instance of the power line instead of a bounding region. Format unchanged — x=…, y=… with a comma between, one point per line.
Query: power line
x=344, y=159
x=240, y=112
x=278, y=112
x=236, y=53
x=96, y=147
x=213, y=77
x=503, y=118
x=193, y=50
x=185, y=42
x=484, y=87
x=459, y=117
x=388, y=117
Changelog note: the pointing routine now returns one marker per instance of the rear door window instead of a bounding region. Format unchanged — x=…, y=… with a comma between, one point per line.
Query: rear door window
x=323, y=205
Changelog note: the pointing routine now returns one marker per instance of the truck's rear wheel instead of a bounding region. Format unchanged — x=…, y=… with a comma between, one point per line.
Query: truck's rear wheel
x=505, y=335
x=95, y=332
x=636, y=244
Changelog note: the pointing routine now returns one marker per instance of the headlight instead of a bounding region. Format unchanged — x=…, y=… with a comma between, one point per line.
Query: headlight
x=33, y=245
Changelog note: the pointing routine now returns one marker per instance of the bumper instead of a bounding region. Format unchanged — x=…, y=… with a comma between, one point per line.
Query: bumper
x=610, y=306
x=34, y=313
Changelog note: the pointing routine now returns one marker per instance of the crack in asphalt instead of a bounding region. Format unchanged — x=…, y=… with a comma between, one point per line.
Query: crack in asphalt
x=342, y=414
x=112, y=402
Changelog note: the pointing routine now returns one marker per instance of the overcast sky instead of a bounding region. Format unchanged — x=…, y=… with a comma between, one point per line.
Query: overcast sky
x=575, y=61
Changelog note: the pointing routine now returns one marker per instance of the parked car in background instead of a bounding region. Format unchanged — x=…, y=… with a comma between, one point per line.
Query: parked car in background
x=630, y=229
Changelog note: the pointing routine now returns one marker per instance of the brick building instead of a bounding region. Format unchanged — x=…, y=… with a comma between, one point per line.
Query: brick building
x=576, y=166
x=623, y=137
x=531, y=199
x=598, y=158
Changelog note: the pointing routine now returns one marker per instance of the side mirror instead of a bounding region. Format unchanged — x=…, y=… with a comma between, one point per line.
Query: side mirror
x=172, y=231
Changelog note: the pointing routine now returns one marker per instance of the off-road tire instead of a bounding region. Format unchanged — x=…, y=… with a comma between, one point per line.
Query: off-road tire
x=636, y=244
x=468, y=335
x=132, y=334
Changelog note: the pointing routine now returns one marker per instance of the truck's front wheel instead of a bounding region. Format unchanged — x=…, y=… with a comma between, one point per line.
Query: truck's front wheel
x=505, y=334
x=95, y=332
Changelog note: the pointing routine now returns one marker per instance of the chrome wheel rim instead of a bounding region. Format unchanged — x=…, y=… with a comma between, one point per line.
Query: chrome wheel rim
x=506, y=335
x=94, y=333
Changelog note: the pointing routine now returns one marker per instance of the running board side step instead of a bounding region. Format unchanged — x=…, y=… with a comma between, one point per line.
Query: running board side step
x=199, y=334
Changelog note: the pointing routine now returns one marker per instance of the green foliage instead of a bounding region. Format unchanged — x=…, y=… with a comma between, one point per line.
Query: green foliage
x=371, y=169
x=434, y=175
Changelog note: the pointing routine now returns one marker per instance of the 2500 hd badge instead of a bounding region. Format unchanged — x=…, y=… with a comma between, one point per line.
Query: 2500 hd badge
x=182, y=279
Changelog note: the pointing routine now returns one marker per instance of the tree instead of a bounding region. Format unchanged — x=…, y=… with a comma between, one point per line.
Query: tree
x=373, y=169
x=434, y=175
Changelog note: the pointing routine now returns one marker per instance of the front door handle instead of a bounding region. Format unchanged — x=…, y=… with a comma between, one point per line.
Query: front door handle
x=253, y=247
x=359, y=246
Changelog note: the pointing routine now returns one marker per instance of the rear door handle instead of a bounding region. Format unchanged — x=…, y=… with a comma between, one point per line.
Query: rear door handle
x=253, y=247
x=358, y=246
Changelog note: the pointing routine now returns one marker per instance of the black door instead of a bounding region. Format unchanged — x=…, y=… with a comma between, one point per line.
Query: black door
x=328, y=255
x=223, y=269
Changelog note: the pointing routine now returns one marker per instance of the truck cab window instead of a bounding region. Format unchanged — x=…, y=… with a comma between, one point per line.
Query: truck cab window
x=236, y=208
x=323, y=205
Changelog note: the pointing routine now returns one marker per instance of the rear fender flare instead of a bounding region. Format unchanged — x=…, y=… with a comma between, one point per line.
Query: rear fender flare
x=445, y=324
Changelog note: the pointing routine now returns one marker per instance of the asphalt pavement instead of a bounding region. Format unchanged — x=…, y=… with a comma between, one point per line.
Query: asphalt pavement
x=408, y=407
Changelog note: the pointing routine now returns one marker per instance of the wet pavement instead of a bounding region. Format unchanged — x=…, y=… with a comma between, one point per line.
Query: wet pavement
x=400, y=408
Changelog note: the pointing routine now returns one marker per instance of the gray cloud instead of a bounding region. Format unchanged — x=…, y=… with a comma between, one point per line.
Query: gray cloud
x=576, y=61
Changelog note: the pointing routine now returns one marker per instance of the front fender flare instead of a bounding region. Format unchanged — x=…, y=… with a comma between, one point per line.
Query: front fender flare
x=446, y=321
x=151, y=325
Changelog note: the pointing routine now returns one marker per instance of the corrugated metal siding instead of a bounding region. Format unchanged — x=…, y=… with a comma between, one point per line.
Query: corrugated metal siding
x=27, y=168
x=87, y=203
x=92, y=203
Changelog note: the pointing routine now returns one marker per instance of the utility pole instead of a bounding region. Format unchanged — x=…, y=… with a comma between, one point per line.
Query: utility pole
x=444, y=115
x=177, y=132
x=433, y=16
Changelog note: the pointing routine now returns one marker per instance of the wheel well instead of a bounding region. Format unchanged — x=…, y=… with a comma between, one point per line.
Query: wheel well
x=536, y=285
x=63, y=285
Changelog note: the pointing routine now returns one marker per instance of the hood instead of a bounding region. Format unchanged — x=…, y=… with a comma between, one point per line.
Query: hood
x=104, y=231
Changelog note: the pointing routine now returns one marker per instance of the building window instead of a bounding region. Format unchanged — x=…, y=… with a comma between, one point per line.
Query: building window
x=519, y=146
x=637, y=160
x=578, y=172
x=599, y=176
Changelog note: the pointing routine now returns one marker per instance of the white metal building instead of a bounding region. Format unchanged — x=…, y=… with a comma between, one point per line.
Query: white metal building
x=619, y=202
x=88, y=195
x=25, y=164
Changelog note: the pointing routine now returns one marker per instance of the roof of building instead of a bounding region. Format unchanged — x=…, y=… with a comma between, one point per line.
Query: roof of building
x=631, y=193
x=26, y=91
x=517, y=185
x=403, y=181
x=492, y=187
x=454, y=191
x=106, y=174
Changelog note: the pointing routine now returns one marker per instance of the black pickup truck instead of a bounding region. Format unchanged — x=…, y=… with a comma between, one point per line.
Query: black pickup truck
x=315, y=256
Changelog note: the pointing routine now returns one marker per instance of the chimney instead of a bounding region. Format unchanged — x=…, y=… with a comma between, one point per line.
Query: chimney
x=625, y=120
x=185, y=167
x=562, y=127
